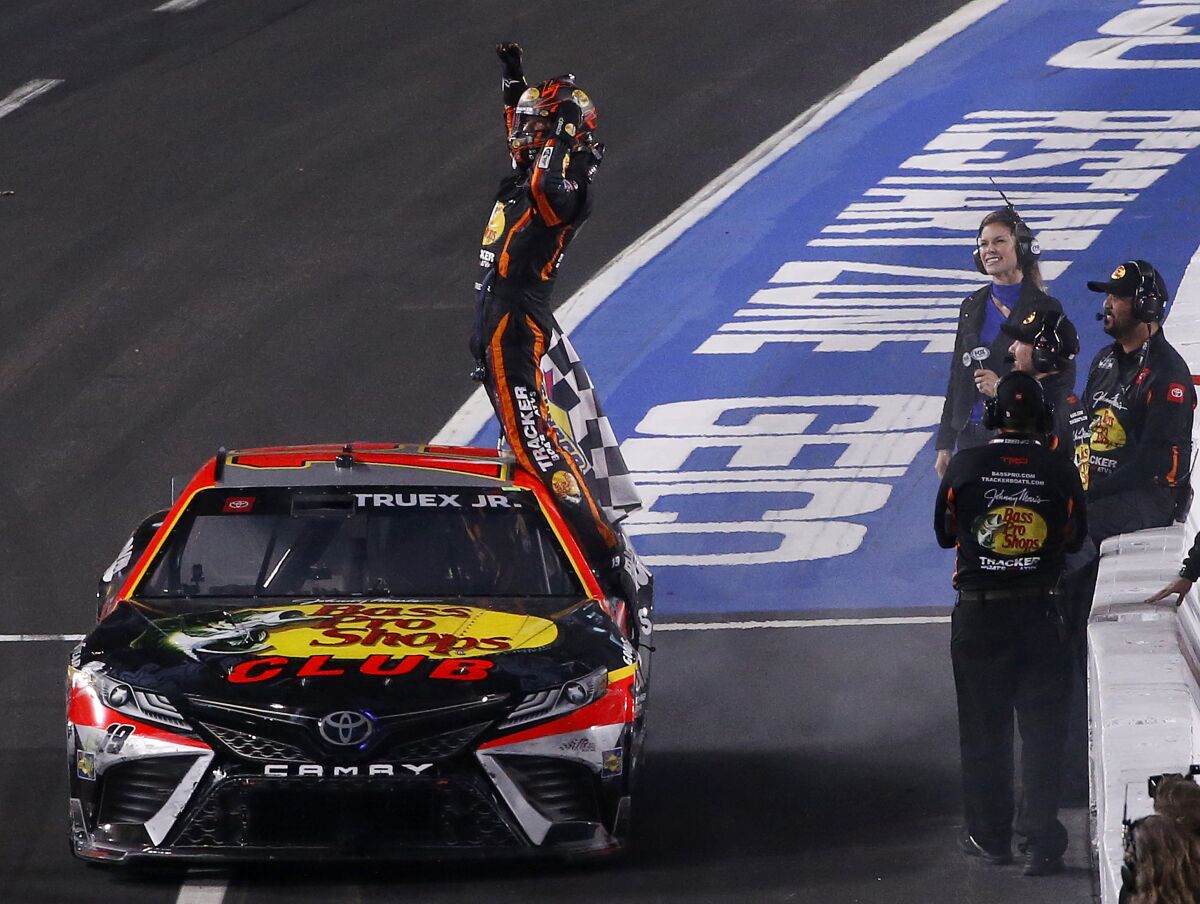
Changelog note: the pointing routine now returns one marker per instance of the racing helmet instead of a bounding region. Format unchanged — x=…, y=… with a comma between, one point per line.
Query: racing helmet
x=536, y=117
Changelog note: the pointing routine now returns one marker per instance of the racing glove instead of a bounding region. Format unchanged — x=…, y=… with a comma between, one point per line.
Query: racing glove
x=510, y=57
x=585, y=161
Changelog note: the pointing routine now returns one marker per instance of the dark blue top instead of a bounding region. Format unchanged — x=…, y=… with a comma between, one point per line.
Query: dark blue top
x=992, y=319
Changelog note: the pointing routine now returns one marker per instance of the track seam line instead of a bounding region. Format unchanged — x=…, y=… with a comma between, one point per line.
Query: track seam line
x=22, y=638
x=177, y=6
x=26, y=93
x=805, y=623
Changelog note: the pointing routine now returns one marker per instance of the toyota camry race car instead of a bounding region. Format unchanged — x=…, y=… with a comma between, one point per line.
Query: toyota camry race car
x=367, y=651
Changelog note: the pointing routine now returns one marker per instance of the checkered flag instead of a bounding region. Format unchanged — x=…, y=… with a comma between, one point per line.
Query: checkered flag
x=584, y=429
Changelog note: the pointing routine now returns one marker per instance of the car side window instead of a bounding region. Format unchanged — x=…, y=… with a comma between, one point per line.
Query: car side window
x=114, y=576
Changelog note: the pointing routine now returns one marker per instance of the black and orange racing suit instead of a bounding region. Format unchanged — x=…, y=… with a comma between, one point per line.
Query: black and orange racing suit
x=537, y=211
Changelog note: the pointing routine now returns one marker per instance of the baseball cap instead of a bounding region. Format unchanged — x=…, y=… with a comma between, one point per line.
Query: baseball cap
x=1030, y=330
x=1123, y=283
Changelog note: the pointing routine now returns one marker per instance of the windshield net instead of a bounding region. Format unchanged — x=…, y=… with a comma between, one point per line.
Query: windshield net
x=372, y=542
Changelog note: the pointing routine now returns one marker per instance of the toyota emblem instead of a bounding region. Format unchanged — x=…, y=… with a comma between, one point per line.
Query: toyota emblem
x=345, y=728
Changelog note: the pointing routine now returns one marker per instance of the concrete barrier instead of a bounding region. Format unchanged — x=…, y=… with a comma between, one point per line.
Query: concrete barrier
x=1143, y=692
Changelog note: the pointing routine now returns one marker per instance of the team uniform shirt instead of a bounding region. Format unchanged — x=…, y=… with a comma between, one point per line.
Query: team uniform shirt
x=1141, y=405
x=1072, y=431
x=1013, y=508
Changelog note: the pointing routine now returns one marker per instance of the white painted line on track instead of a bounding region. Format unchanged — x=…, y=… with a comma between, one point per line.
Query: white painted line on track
x=177, y=6
x=26, y=93
x=677, y=626
x=806, y=623
x=475, y=412
x=202, y=890
x=21, y=638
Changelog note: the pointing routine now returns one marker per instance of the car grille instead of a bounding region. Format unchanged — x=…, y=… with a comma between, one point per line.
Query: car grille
x=561, y=789
x=435, y=747
x=254, y=747
x=354, y=817
x=136, y=790
x=272, y=736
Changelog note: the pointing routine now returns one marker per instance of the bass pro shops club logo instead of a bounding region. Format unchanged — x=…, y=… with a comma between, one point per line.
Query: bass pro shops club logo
x=495, y=225
x=1010, y=530
x=1107, y=432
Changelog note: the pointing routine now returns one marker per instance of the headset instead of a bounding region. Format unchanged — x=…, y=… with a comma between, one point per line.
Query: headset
x=994, y=418
x=1049, y=354
x=1150, y=296
x=1028, y=247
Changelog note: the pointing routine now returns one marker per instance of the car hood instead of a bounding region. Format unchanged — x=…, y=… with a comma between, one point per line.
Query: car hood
x=393, y=655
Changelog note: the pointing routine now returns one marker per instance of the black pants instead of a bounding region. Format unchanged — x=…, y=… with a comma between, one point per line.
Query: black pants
x=1131, y=510
x=1008, y=656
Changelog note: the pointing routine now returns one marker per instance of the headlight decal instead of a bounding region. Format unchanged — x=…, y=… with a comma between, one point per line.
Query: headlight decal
x=615, y=707
x=98, y=702
x=558, y=701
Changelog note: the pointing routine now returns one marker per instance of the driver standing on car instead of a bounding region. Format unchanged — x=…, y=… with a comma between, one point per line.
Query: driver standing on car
x=537, y=211
x=1012, y=508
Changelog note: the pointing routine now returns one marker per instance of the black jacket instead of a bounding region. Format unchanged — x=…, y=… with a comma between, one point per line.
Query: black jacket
x=1013, y=508
x=960, y=386
x=1141, y=405
x=1071, y=434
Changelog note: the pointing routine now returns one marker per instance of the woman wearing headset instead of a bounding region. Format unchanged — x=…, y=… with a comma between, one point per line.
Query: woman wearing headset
x=1007, y=251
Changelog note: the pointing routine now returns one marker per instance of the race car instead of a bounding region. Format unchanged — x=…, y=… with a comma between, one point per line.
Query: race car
x=360, y=651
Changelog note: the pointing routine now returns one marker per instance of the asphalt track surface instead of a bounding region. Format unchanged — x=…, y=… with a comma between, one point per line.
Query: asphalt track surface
x=253, y=223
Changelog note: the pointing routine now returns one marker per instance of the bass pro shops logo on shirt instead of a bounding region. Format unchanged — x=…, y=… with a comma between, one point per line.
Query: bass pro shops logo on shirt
x=495, y=226
x=1107, y=432
x=1010, y=530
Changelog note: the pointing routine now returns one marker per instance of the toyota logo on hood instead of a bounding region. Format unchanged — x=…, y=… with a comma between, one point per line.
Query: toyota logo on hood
x=345, y=728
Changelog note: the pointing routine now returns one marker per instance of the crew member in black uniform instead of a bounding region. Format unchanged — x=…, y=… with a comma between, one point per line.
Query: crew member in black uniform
x=1045, y=343
x=1044, y=346
x=1141, y=398
x=537, y=211
x=1007, y=251
x=1012, y=508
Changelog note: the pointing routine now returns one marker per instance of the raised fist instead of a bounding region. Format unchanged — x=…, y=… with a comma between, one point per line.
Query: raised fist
x=585, y=161
x=510, y=56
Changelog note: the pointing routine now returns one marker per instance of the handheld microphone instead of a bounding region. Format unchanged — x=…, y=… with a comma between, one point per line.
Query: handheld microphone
x=1099, y=316
x=978, y=354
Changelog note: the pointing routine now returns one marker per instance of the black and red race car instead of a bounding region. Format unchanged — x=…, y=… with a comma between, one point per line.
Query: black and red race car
x=360, y=651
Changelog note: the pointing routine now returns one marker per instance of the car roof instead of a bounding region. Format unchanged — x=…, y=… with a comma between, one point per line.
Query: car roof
x=361, y=464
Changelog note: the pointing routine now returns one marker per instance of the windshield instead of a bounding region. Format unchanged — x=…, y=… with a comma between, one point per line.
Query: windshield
x=373, y=542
